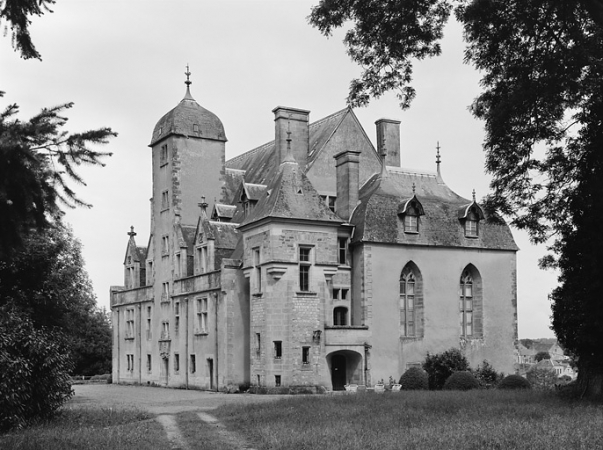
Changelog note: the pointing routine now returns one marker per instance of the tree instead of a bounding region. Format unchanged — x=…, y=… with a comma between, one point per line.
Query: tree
x=46, y=282
x=37, y=159
x=17, y=14
x=440, y=366
x=542, y=104
x=542, y=355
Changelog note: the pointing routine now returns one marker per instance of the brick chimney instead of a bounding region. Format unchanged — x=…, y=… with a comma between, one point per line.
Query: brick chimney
x=347, y=165
x=295, y=121
x=388, y=134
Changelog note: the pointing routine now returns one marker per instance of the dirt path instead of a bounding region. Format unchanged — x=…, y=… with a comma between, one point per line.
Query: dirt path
x=165, y=404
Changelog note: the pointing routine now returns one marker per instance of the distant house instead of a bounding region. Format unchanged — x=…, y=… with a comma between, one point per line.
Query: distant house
x=314, y=259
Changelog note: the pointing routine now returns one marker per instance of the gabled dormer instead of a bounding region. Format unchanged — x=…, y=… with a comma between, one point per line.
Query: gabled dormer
x=410, y=210
x=470, y=215
x=223, y=213
x=134, y=263
x=250, y=195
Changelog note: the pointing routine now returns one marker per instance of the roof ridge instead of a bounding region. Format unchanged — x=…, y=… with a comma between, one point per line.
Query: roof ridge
x=330, y=116
x=249, y=152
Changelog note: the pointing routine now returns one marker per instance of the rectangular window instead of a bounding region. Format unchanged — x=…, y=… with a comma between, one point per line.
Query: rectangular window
x=178, y=268
x=258, y=344
x=148, y=327
x=202, y=259
x=163, y=155
x=165, y=245
x=165, y=200
x=130, y=359
x=411, y=223
x=149, y=366
x=201, y=325
x=176, y=318
x=130, y=323
x=336, y=292
x=176, y=362
x=304, y=268
x=278, y=349
x=193, y=364
x=305, y=355
x=277, y=380
x=470, y=228
x=257, y=270
x=343, y=245
x=165, y=332
x=165, y=294
x=344, y=294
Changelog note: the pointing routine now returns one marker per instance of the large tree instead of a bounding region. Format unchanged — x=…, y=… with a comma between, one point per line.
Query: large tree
x=542, y=104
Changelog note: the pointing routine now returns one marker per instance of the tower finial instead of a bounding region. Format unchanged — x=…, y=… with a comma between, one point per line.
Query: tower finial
x=289, y=156
x=188, y=74
x=413, y=188
x=474, y=195
x=203, y=205
x=438, y=157
x=132, y=233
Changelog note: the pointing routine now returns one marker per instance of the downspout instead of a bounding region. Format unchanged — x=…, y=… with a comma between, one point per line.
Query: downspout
x=217, y=349
x=118, y=339
x=139, y=343
x=186, y=355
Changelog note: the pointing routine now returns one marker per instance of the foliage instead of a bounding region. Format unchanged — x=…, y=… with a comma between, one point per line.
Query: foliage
x=514, y=382
x=441, y=365
x=37, y=159
x=486, y=375
x=461, y=381
x=414, y=379
x=46, y=281
x=34, y=365
x=542, y=378
x=542, y=355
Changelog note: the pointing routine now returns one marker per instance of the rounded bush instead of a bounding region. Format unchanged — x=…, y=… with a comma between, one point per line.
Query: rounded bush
x=461, y=381
x=414, y=378
x=514, y=382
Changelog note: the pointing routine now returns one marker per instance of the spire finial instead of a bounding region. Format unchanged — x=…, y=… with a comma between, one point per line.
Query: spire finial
x=203, y=205
x=438, y=157
x=188, y=74
x=474, y=195
x=413, y=188
x=132, y=233
x=289, y=156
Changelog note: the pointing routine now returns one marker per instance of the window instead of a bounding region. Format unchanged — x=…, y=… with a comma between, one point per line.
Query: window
x=277, y=380
x=176, y=362
x=195, y=128
x=201, y=325
x=148, y=327
x=202, y=263
x=278, y=349
x=466, y=304
x=193, y=364
x=340, y=316
x=407, y=303
x=176, y=318
x=331, y=202
x=411, y=220
x=163, y=154
x=165, y=294
x=165, y=200
x=305, y=355
x=165, y=245
x=130, y=359
x=342, y=254
x=340, y=294
x=165, y=332
x=471, y=225
x=178, y=268
x=149, y=366
x=304, y=268
x=130, y=323
x=257, y=270
x=258, y=344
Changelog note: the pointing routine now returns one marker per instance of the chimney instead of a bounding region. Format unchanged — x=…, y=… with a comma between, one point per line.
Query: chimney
x=347, y=165
x=295, y=121
x=388, y=136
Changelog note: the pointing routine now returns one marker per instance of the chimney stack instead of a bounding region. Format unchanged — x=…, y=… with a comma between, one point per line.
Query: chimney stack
x=295, y=121
x=347, y=165
x=388, y=135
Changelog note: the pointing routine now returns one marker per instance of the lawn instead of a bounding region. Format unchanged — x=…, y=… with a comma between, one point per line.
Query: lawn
x=420, y=420
x=90, y=429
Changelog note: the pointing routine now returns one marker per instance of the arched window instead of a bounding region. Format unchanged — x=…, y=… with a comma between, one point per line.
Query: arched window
x=470, y=303
x=411, y=302
x=340, y=316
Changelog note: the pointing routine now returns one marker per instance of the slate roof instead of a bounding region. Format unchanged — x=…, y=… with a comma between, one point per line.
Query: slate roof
x=182, y=119
x=185, y=235
x=290, y=195
x=376, y=216
x=254, y=191
x=223, y=211
x=225, y=234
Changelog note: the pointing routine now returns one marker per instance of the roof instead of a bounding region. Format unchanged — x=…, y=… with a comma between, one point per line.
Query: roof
x=224, y=234
x=189, y=119
x=223, y=211
x=254, y=191
x=290, y=195
x=381, y=197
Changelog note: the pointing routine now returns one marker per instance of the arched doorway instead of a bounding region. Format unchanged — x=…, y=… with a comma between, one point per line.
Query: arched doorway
x=346, y=368
x=338, y=372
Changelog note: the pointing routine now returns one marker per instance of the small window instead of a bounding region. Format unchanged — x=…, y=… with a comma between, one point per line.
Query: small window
x=257, y=270
x=149, y=365
x=149, y=317
x=165, y=245
x=343, y=245
x=176, y=362
x=305, y=355
x=278, y=349
x=202, y=313
x=411, y=220
x=165, y=331
x=193, y=364
x=165, y=200
x=332, y=203
x=163, y=154
x=471, y=225
x=195, y=128
x=277, y=380
x=340, y=316
x=304, y=268
x=130, y=359
x=258, y=344
x=165, y=294
x=176, y=318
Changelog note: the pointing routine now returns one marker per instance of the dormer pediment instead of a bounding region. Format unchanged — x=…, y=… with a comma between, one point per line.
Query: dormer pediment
x=412, y=204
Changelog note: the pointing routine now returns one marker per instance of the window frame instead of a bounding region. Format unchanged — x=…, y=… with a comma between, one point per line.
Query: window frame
x=278, y=349
x=304, y=261
x=408, y=302
x=467, y=305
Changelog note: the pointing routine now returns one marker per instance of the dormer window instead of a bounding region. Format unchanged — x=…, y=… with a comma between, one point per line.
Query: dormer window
x=410, y=211
x=470, y=216
x=471, y=225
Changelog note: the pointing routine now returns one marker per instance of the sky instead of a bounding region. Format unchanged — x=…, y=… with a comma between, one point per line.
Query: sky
x=122, y=63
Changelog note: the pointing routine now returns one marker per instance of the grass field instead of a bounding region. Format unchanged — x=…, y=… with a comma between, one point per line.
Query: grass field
x=420, y=420
x=90, y=429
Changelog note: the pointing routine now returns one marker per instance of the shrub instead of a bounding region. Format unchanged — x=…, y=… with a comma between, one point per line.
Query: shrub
x=414, y=378
x=440, y=366
x=461, y=381
x=542, y=378
x=514, y=382
x=34, y=365
x=487, y=376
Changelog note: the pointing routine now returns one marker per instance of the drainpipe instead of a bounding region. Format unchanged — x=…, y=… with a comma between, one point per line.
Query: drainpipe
x=186, y=356
x=217, y=349
x=117, y=330
x=139, y=332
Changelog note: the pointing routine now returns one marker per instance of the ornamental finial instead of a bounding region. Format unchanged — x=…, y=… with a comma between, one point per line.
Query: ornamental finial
x=188, y=74
x=474, y=195
x=132, y=233
x=438, y=160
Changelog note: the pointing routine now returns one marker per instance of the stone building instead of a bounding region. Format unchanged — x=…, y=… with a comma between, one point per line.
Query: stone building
x=314, y=259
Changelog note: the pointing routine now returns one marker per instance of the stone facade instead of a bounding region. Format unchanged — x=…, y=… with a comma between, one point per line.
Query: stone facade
x=309, y=260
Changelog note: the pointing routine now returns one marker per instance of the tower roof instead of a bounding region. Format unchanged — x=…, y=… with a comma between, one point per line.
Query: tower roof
x=189, y=119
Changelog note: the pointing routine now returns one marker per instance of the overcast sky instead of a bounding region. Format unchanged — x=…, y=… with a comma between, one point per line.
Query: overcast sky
x=123, y=63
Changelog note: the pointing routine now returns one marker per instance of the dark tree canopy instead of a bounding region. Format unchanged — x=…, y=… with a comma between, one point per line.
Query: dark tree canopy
x=16, y=15
x=542, y=104
x=542, y=355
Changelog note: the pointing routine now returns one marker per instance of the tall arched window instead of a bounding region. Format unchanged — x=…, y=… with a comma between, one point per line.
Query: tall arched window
x=470, y=303
x=411, y=302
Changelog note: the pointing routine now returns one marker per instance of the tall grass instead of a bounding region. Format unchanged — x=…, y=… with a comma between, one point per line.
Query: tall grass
x=420, y=420
x=90, y=429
